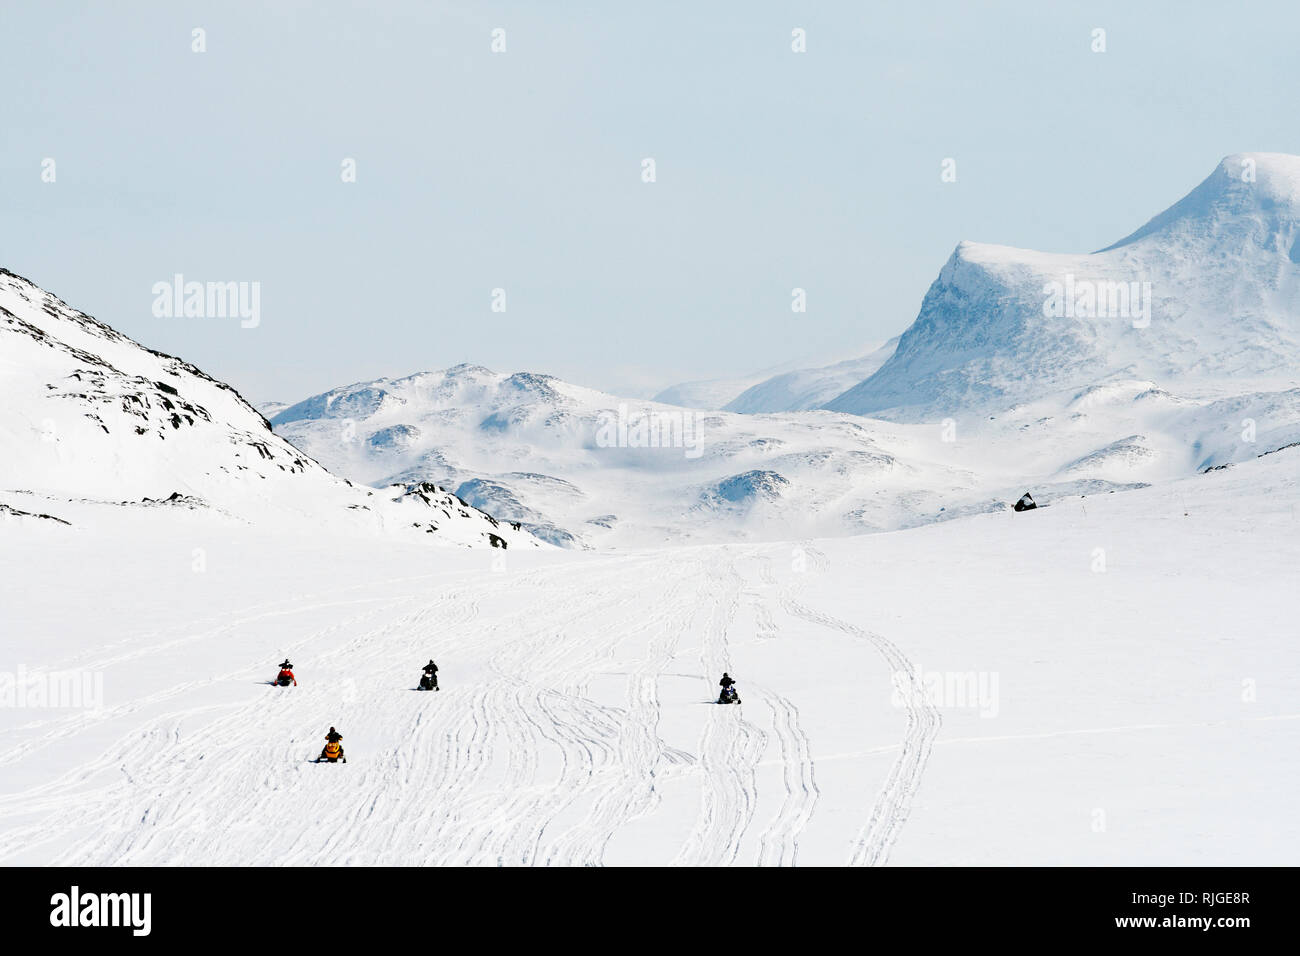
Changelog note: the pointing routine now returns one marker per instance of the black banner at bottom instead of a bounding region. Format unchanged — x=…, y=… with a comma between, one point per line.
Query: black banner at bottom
x=1214, y=906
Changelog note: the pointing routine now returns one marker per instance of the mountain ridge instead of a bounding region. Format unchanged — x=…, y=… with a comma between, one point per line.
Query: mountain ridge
x=90, y=415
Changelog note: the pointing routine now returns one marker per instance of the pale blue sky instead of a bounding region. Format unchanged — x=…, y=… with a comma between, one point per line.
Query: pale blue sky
x=522, y=170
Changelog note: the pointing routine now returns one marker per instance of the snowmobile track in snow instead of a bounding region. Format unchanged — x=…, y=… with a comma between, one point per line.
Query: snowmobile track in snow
x=893, y=804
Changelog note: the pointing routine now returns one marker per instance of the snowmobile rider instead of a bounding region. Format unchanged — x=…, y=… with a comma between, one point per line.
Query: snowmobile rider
x=333, y=737
x=286, y=671
x=729, y=695
x=431, y=672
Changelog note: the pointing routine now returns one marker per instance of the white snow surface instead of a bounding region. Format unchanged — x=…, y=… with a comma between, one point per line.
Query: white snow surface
x=1142, y=714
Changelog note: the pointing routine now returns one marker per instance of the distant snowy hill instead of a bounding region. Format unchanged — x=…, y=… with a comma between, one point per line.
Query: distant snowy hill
x=809, y=374
x=87, y=414
x=807, y=388
x=533, y=448
x=709, y=394
x=1206, y=296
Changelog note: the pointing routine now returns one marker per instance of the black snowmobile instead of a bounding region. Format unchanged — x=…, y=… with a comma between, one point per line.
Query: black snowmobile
x=729, y=694
x=429, y=681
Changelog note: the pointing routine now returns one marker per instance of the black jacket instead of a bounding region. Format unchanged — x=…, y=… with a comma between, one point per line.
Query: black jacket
x=726, y=682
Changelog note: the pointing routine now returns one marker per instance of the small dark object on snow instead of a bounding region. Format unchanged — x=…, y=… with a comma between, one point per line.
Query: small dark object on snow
x=429, y=681
x=1026, y=503
x=729, y=694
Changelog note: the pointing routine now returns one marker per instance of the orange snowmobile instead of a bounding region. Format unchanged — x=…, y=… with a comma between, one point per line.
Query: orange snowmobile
x=333, y=751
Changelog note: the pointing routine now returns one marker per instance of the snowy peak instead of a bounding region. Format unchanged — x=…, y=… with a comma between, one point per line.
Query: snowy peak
x=1245, y=189
x=1206, y=294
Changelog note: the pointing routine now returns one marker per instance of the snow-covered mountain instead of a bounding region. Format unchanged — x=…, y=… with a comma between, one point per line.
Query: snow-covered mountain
x=90, y=415
x=1204, y=298
x=553, y=455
